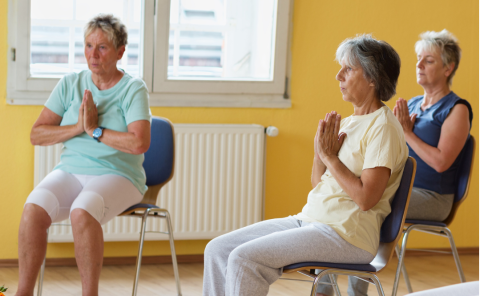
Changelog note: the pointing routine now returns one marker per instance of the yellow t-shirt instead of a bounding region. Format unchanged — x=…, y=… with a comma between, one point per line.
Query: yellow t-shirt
x=373, y=140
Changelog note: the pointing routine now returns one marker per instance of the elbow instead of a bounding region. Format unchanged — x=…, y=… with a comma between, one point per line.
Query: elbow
x=140, y=148
x=33, y=139
x=365, y=207
x=366, y=203
x=441, y=167
x=138, y=151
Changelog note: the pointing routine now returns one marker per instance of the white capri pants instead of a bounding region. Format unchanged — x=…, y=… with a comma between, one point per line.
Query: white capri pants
x=102, y=196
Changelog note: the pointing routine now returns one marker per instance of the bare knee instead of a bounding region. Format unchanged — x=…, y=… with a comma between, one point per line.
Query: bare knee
x=35, y=215
x=81, y=218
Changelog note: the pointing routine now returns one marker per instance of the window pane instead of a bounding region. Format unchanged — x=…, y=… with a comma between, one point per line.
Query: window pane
x=57, y=40
x=49, y=50
x=222, y=39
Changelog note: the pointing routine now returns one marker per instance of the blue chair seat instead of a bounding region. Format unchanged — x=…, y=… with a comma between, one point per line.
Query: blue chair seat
x=359, y=267
x=425, y=222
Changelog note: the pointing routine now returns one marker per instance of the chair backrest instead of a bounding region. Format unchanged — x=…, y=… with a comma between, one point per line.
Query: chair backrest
x=462, y=179
x=160, y=158
x=392, y=227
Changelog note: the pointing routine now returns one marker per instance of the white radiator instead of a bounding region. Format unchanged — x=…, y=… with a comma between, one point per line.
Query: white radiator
x=218, y=185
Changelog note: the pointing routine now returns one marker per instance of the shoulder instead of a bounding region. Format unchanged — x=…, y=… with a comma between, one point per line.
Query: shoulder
x=453, y=105
x=461, y=110
x=459, y=101
x=415, y=101
x=387, y=122
x=70, y=78
x=134, y=83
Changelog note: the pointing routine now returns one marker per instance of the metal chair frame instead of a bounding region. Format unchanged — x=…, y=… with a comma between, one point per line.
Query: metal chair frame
x=147, y=205
x=384, y=254
x=436, y=230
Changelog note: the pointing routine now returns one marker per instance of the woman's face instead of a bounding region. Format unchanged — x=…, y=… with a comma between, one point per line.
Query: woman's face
x=353, y=85
x=101, y=54
x=430, y=68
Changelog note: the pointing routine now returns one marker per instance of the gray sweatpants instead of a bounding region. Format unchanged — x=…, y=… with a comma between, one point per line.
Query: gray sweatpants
x=248, y=260
x=424, y=205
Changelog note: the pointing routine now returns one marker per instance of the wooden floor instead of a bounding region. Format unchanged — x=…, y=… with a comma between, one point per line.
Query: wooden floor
x=425, y=272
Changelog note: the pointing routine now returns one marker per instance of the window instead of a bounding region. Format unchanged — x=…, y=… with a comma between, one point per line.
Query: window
x=56, y=35
x=188, y=52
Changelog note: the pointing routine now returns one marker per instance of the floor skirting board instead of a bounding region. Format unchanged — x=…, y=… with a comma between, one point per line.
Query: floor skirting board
x=114, y=260
x=194, y=258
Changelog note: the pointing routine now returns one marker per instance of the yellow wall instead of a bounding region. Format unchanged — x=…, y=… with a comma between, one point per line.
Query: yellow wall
x=318, y=28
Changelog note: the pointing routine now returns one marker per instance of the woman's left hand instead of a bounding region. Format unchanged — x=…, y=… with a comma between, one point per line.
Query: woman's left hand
x=330, y=140
x=90, y=113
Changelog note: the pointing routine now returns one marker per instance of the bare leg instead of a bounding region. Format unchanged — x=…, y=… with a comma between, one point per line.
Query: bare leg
x=32, y=245
x=88, y=238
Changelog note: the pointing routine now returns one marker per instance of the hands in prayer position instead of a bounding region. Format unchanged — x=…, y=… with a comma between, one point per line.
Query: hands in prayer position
x=328, y=140
x=401, y=112
x=87, y=114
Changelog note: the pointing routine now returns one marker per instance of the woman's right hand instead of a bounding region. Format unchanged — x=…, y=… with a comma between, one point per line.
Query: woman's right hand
x=80, y=124
x=328, y=139
x=316, y=145
x=406, y=120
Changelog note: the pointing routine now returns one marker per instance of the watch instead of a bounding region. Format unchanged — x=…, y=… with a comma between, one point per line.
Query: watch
x=97, y=133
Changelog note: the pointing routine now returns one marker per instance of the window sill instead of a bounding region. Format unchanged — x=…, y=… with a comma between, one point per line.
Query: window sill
x=39, y=98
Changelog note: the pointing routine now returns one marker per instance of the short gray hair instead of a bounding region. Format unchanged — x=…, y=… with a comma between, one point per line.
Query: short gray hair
x=115, y=30
x=446, y=43
x=379, y=61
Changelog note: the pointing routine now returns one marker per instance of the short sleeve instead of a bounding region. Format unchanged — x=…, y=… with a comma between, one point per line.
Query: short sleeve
x=135, y=106
x=57, y=100
x=383, y=147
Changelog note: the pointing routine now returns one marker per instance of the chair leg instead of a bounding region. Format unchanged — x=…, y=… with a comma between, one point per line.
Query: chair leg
x=42, y=271
x=174, y=255
x=376, y=281
x=140, y=251
x=404, y=272
x=455, y=255
x=316, y=281
x=400, y=261
x=333, y=280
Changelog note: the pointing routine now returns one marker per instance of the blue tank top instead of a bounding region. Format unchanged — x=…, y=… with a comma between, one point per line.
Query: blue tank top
x=428, y=127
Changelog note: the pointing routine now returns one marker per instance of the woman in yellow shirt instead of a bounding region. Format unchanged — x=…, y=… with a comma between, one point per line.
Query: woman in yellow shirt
x=358, y=163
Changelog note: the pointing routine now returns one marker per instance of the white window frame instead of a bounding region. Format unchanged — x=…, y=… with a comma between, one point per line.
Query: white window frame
x=25, y=90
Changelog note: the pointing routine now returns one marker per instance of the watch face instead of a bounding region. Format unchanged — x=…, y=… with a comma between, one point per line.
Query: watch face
x=97, y=132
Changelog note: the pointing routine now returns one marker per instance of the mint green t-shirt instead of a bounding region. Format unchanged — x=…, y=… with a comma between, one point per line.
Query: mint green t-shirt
x=117, y=107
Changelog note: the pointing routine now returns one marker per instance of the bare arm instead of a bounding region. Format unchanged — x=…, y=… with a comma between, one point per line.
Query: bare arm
x=366, y=190
x=318, y=168
x=47, y=130
x=453, y=135
x=135, y=141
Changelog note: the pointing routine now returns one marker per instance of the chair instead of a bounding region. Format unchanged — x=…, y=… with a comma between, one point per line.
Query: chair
x=440, y=228
x=158, y=164
x=389, y=235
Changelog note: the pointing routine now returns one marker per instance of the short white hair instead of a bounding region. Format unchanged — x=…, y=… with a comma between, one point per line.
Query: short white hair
x=447, y=45
x=111, y=26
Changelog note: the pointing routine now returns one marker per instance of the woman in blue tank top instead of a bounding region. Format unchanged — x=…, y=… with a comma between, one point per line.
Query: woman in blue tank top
x=436, y=126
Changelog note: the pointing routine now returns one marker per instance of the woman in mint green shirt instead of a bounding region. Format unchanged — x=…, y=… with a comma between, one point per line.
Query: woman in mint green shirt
x=102, y=117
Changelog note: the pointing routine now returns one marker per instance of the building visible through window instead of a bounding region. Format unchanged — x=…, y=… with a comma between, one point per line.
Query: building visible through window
x=56, y=35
